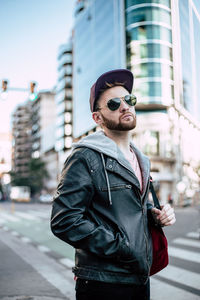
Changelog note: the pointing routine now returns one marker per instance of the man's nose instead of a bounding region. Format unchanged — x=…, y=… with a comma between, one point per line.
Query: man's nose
x=124, y=106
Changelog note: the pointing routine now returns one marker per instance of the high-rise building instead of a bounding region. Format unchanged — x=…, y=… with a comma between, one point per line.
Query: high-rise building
x=64, y=107
x=33, y=130
x=162, y=53
x=98, y=46
x=43, y=129
x=21, y=140
x=159, y=41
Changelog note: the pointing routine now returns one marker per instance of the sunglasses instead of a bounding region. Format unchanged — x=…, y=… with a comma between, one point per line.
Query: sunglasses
x=114, y=103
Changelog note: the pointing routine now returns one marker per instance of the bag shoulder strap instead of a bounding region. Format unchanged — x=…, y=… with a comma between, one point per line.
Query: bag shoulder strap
x=155, y=198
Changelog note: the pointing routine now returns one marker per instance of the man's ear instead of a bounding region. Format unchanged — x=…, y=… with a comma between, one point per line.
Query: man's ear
x=97, y=117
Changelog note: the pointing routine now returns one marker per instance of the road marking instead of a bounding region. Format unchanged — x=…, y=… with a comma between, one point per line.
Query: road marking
x=41, y=214
x=181, y=276
x=2, y=222
x=8, y=217
x=67, y=262
x=187, y=242
x=15, y=233
x=165, y=291
x=43, y=248
x=194, y=235
x=25, y=239
x=26, y=216
x=184, y=254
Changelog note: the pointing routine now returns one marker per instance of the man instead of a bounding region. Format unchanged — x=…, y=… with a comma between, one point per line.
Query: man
x=101, y=207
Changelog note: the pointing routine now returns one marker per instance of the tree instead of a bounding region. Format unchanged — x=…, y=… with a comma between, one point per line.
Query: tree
x=37, y=174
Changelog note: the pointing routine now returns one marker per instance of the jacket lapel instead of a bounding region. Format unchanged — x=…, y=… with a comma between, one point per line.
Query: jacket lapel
x=123, y=169
x=144, y=166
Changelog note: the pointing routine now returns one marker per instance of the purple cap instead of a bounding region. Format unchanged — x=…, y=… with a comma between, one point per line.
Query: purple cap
x=119, y=75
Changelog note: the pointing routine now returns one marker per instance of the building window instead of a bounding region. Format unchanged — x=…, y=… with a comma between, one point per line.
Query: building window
x=69, y=105
x=68, y=142
x=151, y=143
x=136, y=2
x=59, y=145
x=68, y=117
x=59, y=132
x=150, y=89
x=149, y=70
x=149, y=32
x=146, y=14
x=68, y=129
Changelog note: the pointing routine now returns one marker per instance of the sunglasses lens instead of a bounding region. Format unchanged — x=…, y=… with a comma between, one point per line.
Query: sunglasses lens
x=114, y=104
x=130, y=100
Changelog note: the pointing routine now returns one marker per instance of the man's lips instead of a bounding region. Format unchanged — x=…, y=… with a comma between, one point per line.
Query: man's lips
x=128, y=115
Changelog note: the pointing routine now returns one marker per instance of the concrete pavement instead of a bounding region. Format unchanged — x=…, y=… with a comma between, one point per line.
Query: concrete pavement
x=28, y=274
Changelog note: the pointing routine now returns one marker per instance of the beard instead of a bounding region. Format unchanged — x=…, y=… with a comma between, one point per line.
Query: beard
x=119, y=126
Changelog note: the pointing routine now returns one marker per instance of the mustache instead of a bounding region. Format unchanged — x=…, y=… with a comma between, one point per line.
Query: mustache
x=128, y=113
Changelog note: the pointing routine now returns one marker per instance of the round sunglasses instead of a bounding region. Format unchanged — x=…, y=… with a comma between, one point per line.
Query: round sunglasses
x=114, y=103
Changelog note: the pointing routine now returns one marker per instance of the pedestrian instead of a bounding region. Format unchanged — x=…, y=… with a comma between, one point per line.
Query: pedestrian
x=101, y=205
x=170, y=199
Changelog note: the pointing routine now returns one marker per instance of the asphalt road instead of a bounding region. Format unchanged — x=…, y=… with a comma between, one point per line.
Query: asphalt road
x=36, y=265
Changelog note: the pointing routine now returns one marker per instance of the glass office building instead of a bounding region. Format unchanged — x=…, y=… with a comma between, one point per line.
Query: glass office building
x=189, y=18
x=64, y=99
x=149, y=50
x=162, y=46
x=99, y=46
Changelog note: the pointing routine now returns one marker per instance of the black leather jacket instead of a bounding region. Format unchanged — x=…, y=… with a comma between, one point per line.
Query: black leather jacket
x=99, y=210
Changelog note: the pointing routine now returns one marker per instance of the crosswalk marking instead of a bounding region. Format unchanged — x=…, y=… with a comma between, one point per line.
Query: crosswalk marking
x=43, y=248
x=26, y=216
x=184, y=254
x=41, y=214
x=187, y=242
x=2, y=222
x=165, y=291
x=25, y=239
x=8, y=217
x=194, y=235
x=15, y=233
x=67, y=262
x=181, y=275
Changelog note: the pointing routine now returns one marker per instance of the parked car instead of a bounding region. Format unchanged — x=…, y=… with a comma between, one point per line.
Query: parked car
x=46, y=198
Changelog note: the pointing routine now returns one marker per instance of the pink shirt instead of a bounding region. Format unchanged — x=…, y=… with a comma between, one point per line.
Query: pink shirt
x=136, y=167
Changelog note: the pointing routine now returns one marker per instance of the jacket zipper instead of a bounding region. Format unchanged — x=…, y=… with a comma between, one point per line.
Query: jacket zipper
x=117, y=187
x=146, y=239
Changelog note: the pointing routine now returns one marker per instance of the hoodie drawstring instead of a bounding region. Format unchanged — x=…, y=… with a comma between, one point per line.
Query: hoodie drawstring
x=107, y=180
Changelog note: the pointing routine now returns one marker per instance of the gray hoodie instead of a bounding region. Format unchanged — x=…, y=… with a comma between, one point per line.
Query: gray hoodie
x=99, y=142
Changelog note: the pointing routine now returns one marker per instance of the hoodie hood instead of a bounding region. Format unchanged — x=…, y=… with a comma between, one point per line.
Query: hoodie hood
x=99, y=142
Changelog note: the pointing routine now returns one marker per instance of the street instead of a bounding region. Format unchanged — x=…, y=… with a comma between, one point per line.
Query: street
x=36, y=265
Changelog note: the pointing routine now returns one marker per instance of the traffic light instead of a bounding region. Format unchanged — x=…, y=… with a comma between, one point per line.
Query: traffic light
x=33, y=95
x=4, y=87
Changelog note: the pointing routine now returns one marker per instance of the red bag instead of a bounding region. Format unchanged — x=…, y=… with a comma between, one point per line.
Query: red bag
x=159, y=242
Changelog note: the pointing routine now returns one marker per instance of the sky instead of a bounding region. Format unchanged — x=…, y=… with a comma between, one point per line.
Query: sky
x=31, y=33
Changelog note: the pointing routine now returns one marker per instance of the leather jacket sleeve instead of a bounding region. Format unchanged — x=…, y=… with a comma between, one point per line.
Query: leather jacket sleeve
x=70, y=221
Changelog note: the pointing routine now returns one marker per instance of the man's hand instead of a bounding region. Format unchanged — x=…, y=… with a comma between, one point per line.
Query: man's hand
x=164, y=217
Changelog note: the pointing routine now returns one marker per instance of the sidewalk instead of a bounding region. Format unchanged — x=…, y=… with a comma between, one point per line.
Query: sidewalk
x=27, y=274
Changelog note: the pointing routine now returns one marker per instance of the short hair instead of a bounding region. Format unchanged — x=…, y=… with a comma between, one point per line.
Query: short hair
x=108, y=86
